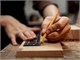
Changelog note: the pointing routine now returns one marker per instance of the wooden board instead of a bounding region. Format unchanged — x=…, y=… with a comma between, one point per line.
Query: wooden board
x=74, y=34
x=45, y=50
x=71, y=52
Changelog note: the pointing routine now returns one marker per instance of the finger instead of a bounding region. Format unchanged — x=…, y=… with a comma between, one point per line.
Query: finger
x=33, y=34
x=35, y=29
x=58, y=25
x=63, y=33
x=45, y=24
x=65, y=30
x=28, y=35
x=13, y=39
x=51, y=29
x=22, y=36
x=62, y=22
x=53, y=35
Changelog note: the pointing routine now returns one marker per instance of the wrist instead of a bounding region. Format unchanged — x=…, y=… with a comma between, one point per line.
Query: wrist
x=50, y=10
x=4, y=20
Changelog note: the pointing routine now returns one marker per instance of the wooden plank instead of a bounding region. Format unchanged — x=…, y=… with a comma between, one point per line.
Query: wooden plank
x=70, y=53
x=74, y=34
x=45, y=50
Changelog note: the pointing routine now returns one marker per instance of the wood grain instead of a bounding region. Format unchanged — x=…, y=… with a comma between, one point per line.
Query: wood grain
x=74, y=34
x=45, y=50
x=71, y=52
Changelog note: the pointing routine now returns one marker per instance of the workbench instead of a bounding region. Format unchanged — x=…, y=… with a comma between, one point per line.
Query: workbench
x=71, y=52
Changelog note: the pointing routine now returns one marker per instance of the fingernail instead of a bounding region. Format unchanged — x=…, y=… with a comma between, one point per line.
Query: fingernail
x=15, y=44
x=48, y=31
x=34, y=36
x=43, y=31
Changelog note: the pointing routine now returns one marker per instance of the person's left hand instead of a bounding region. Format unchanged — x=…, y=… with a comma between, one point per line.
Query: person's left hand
x=58, y=31
x=15, y=29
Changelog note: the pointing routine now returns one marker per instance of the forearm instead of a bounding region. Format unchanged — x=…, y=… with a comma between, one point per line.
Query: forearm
x=50, y=10
x=3, y=19
x=46, y=8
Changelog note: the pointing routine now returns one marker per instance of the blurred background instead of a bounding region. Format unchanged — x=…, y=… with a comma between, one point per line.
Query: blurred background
x=68, y=8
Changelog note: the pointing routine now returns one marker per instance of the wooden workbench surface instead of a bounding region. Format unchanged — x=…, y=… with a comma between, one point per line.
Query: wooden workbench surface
x=71, y=52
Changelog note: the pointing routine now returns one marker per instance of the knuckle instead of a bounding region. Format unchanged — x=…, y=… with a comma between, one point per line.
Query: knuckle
x=48, y=17
x=58, y=25
x=10, y=36
x=48, y=31
x=66, y=18
x=69, y=27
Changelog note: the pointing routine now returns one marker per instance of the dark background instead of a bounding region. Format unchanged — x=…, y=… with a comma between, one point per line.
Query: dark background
x=15, y=9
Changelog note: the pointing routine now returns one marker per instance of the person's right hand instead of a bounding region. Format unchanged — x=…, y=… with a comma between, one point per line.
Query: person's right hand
x=15, y=29
x=59, y=29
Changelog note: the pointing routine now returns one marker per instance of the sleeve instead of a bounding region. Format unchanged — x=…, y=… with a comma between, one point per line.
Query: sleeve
x=41, y=5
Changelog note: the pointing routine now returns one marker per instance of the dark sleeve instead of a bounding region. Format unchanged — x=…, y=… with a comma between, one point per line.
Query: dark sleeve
x=41, y=5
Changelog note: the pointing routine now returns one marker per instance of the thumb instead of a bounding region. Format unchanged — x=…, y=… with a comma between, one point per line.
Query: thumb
x=45, y=24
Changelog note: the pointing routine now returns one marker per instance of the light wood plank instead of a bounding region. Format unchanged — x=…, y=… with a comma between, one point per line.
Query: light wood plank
x=45, y=50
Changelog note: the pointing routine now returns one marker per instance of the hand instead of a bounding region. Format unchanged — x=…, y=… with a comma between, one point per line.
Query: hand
x=15, y=29
x=58, y=31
